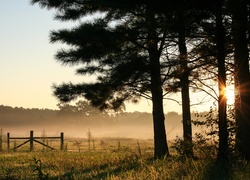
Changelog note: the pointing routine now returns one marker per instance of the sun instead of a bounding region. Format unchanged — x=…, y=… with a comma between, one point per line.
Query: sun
x=230, y=94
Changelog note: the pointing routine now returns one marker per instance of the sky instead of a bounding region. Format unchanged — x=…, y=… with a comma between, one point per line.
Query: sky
x=28, y=68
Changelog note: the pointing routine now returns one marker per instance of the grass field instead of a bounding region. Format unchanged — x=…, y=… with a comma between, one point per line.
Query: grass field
x=112, y=158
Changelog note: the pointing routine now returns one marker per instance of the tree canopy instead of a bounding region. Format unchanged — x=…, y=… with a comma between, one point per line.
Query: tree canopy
x=148, y=49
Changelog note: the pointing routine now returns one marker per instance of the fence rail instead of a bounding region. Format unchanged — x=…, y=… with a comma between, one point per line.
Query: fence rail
x=31, y=139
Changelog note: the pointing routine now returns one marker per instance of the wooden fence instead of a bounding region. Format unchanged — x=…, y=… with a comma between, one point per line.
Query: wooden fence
x=31, y=139
x=1, y=139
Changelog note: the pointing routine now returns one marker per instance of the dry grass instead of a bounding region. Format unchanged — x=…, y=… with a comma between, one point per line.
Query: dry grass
x=108, y=158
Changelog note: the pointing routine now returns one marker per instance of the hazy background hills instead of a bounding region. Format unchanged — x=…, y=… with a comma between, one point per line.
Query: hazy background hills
x=19, y=121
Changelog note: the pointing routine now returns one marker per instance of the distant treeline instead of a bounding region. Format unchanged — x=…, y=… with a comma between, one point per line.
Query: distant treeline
x=18, y=116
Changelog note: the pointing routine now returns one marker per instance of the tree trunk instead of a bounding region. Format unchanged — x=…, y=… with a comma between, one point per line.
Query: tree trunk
x=222, y=104
x=160, y=139
x=242, y=73
x=184, y=81
x=237, y=112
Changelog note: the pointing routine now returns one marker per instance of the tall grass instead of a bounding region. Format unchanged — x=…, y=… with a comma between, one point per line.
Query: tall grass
x=133, y=160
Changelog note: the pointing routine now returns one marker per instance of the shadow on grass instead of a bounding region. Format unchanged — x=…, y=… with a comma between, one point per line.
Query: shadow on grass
x=219, y=170
x=102, y=171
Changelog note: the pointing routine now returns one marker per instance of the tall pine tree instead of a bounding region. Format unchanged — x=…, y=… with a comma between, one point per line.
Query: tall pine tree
x=122, y=48
x=241, y=58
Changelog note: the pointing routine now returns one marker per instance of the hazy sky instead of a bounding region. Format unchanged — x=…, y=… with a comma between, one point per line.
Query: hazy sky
x=28, y=68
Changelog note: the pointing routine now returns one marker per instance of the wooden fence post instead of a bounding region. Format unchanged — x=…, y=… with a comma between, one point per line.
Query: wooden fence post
x=31, y=140
x=14, y=145
x=62, y=140
x=8, y=141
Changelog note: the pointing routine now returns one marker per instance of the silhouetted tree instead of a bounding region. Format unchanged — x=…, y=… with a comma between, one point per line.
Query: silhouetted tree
x=184, y=83
x=222, y=102
x=187, y=16
x=240, y=14
x=123, y=48
x=212, y=50
x=127, y=48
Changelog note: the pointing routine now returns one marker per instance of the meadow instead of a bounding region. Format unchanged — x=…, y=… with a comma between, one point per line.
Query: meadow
x=113, y=159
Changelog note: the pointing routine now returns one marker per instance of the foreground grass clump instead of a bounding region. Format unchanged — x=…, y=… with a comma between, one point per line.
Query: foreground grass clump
x=113, y=165
x=96, y=165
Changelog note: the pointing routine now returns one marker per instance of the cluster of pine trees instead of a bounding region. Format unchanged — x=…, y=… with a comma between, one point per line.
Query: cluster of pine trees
x=148, y=49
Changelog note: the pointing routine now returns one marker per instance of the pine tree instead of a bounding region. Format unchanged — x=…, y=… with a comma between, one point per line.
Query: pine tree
x=122, y=48
x=241, y=58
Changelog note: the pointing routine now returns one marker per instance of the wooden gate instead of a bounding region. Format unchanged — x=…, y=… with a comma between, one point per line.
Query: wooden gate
x=33, y=139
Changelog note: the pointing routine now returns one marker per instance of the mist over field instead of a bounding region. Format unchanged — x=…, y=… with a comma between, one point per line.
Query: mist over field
x=139, y=125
